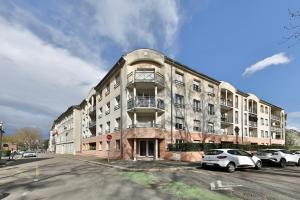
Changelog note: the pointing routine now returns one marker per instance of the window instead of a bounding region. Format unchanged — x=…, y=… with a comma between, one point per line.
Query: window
x=211, y=90
x=117, y=127
x=118, y=145
x=100, y=129
x=245, y=118
x=266, y=110
x=100, y=113
x=262, y=121
x=245, y=105
x=236, y=117
x=267, y=122
x=179, y=101
x=179, y=78
x=246, y=132
x=107, y=108
x=117, y=80
x=211, y=109
x=196, y=105
x=107, y=88
x=100, y=95
x=197, y=125
x=100, y=146
x=179, y=123
x=117, y=104
x=261, y=108
x=210, y=127
x=266, y=134
x=196, y=86
x=107, y=127
x=262, y=134
x=236, y=101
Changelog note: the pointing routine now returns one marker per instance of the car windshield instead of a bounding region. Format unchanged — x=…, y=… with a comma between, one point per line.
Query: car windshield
x=213, y=152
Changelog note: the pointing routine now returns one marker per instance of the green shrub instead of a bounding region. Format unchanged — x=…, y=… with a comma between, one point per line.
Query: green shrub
x=6, y=152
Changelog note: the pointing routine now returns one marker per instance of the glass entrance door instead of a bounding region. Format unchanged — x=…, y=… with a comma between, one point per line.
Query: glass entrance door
x=143, y=148
x=150, y=148
x=147, y=148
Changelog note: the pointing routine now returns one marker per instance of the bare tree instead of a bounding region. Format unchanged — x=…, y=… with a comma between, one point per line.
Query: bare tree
x=293, y=29
x=29, y=138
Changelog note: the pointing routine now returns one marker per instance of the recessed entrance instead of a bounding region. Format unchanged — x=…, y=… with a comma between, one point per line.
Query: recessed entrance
x=147, y=148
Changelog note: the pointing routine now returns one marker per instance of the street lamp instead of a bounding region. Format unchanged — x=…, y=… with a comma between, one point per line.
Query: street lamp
x=237, y=129
x=1, y=135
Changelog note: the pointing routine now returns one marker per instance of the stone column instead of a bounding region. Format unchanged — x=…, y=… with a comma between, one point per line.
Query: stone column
x=156, y=149
x=134, y=149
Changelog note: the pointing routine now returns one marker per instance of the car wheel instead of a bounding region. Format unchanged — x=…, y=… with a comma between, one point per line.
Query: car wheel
x=282, y=163
x=298, y=164
x=258, y=165
x=230, y=167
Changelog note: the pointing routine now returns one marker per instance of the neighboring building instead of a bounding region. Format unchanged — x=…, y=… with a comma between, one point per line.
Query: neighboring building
x=147, y=101
x=65, y=135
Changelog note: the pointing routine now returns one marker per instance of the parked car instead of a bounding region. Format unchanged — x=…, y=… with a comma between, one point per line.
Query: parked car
x=280, y=157
x=297, y=152
x=29, y=154
x=230, y=159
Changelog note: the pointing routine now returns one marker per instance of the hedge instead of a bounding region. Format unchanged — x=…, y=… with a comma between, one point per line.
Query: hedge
x=6, y=153
x=207, y=146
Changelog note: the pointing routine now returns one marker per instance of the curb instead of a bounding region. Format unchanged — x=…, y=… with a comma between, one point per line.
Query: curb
x=133, y=169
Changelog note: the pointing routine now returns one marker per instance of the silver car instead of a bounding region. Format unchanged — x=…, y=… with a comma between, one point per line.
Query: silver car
x=230, y=159
x=29, y=154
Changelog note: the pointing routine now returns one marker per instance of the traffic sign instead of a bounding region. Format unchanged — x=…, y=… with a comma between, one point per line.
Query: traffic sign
x=109, y=137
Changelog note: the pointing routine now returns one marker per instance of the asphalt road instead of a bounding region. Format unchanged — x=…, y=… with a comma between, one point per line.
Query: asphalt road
x=62, y=178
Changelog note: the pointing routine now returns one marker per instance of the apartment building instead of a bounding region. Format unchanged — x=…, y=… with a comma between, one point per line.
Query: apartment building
x=148, y=100
x=65, y=134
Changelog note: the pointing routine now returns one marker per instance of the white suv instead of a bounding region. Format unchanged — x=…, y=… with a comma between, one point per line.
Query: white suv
x=278, y=156
x=230, y=159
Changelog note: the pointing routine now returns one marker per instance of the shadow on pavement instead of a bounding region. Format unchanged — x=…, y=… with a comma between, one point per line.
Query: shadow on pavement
x=23, y=161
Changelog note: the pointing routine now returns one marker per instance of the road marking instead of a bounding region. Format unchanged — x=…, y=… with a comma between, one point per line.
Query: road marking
x=218, y=185
x=37, y=172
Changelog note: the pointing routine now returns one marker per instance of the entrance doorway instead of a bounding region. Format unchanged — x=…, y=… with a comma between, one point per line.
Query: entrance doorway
x=147, y=148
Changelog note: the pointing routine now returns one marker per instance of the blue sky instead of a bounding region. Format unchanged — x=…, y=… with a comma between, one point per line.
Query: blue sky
x=53, y=52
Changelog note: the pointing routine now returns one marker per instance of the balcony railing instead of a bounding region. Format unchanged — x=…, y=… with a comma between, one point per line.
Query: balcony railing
x=276, y=129
x=146, y=76
x=117, y=107
x=226, y=120
x=146, y=125
x=107, y=112
x=252, y=124
x=253, y=111
x=275, y=117
x=228, y=103
x=145, y=102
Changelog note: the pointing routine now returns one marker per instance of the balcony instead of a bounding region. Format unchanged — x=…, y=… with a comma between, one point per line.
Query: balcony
x=117, y=107
x=253, y=111
x=145, y=77
x=227, y=120
x=275, y=117
x=227, y=103
x=146, y=125
x=276, y=129
x=107, y=112
x=252, y=124
x=145, y=102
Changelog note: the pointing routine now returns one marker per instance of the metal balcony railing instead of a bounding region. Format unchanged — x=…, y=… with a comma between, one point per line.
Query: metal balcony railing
x=145, y=102
x=145, y=76
x=252, y=124
x=275, y=117
x=276, y=129
x=253, y=111
x=146, y=125
x=228, y=103
x=226, y=120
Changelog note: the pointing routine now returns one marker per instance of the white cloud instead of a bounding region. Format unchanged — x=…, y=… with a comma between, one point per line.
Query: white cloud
x=129, y=23
x=276, y=59
x=39, y=80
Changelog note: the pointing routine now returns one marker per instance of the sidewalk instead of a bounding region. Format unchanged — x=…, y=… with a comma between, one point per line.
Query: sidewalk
x=129, y=165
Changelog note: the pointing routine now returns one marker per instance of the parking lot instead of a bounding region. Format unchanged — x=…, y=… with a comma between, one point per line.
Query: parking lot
x=65, y=178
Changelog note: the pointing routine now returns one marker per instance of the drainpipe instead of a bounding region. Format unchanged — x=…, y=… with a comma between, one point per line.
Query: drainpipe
x=172, y=102
x=121, y=121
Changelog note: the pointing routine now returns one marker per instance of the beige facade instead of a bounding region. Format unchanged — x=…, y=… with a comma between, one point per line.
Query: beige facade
x=65, y=136
x=147, y=101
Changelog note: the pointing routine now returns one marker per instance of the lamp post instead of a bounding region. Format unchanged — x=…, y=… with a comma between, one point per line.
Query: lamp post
x=237, y=129
x=1, y=135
